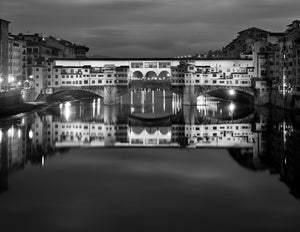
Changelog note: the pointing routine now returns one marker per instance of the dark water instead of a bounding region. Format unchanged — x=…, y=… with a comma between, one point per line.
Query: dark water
x=150, y=164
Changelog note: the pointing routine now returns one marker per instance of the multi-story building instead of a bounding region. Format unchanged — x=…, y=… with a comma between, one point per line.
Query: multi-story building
x=289, y=53
x=4, y=28
x=243, y=43
x=41, y=48
x=17, y=61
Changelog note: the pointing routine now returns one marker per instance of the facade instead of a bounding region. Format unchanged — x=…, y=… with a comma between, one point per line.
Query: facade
x=17, y=61
x=4, y=29
x=243, y=43
x=289, y=51
x=87, y=72
x=41, y=48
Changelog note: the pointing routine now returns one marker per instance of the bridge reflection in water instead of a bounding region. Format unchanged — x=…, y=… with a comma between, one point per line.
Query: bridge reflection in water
x=148, y=118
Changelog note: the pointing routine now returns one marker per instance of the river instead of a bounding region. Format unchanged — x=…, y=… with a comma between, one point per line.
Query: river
x=150, y=164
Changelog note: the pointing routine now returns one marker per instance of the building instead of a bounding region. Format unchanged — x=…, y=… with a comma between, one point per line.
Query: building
x=41, y=48
x=16, y=61
x=4, y=28
x=289, y=52
x=243, y=43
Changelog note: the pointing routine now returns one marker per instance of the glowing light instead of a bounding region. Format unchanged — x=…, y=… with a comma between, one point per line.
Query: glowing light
x=232, y=107
x=43, y=160
x=67, y=111
x=19, y=83
x=30, y=76
x=19, y=133
x=23, y=121
x=201, y=101
x=231, y=92
x=1, y=80
x=10, y=132
x=11, y=79
x=1, y=136
x=67, y=104
x=30, y=134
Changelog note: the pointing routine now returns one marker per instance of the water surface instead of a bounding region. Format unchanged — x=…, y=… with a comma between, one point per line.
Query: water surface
x=150, y=164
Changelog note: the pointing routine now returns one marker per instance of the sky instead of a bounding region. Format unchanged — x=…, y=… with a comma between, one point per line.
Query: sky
x=147, y=28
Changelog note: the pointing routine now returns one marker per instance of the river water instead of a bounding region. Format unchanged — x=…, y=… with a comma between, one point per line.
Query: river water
x=150, y=164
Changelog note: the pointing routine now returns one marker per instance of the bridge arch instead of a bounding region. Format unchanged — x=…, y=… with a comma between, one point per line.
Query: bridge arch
x=238, y=93
x=164, y=75
x=137, y=75
x=151, y=75
x=73, y=94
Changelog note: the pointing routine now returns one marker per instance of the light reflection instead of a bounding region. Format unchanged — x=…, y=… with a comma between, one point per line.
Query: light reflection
x=19, y=133
x=1, y=135
x=231, y=107
x=231, y=92
x=30, y=134
x=67, y=110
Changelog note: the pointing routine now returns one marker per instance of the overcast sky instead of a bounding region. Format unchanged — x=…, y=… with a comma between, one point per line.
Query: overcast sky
x=147, y=28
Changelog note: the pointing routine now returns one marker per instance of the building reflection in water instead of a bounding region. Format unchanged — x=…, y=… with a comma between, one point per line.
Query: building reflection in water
x=254, y=137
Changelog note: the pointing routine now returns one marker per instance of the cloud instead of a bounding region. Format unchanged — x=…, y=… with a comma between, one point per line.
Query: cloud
x=164, y=28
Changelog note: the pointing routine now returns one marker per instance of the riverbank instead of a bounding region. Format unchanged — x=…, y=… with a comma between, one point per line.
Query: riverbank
x=20, y=108
x=287, y=102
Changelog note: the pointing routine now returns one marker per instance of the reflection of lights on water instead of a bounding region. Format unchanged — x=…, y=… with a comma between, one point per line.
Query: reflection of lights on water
x=201, y=101
x=23, y=121
x=231, y=107
x=67, y=104
x=10, y=132
x=67, y=110
x=1, y=136
x=94, y=107
x=285, y=161
x=30, y=134
x=60, y=106
x=98, y=106
x=231, y=92
x=19, y=133
x=43, y=160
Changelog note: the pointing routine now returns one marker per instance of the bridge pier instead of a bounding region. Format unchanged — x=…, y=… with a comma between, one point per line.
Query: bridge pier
x=110, y=95
x=189, y=96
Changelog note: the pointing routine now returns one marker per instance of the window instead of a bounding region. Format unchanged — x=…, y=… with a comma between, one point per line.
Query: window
x=136, y=64
x=85, y=82
x=164, y=64
x=56, y=82
x=152, y=64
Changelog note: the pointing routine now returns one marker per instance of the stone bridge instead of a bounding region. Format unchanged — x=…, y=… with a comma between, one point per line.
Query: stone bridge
x=205, y=89
x=111, y=93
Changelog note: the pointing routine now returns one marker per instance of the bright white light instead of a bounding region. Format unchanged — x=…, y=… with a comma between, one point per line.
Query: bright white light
x=30, y=76
x=10, y=132
x=231, y=92
x=11, y=79
x=1, y=136
x=67, y=111
x=60, y=105
x=19, y=83
x=231, y=107
x=1, y=80
x=30, y=134
x=43, y=161
x=19, y=133
x=67, y=104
